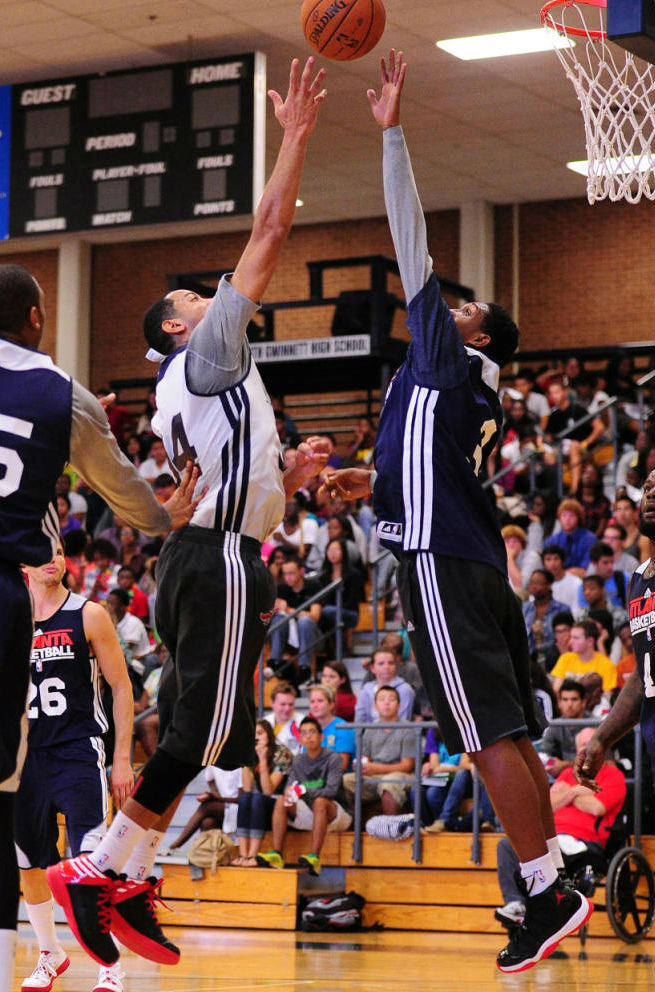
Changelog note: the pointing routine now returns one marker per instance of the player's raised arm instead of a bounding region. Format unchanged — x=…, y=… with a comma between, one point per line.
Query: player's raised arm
x=401, y=197
x=297, y=115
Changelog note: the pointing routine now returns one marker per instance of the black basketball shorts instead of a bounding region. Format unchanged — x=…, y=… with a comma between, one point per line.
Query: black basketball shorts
x=16, y=631
x=469, y=638
x=215, y=600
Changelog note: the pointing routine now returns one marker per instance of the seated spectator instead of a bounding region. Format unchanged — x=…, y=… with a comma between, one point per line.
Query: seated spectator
x=580, y=815
x=339, y=527
x=461, y=788
x=276, y=560
x=602, y=563
x=309, y=802
x=130, y=628
x=144, y=423
x=217, y=809
x=536, y=403
x=292, y=593
x=433, y=793
x=521, y=561
x=146, y=728
x=386, y=565
x=261, y=785
x=575, y=539
x=595, y=505
x=557, y=746
x=133, y=450
x=583, y=657
x=282, y=717
x=597, y=703
x=157, y=461
x=335, y=674
x=101, y=577
x=626, y=513
x=566, y=586
x=614, y=535
x=607, y=642
x=337, y=566
x=297, y=532
x=628, y=661
x=562, y=624
x=406, y=667
x=339, y=739
x=138, y=607
x=384, y=668
x=129, y=550
x=78, y=506
x=286, y=430
x=387, y=756
x=75, y=544
x=334, y=460
x=539, y=611
x=67, y=523
x=164, y=487
x=360, y=450
x=576, y=440
x=594, y=597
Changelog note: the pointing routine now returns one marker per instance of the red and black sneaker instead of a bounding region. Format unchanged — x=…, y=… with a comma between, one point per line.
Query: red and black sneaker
x=83, y=892
x=134, y=920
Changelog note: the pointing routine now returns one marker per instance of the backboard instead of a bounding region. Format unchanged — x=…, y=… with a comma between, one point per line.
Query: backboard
x=631, y=24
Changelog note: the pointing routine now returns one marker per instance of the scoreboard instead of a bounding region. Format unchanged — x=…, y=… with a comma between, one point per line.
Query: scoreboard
x=158, y=145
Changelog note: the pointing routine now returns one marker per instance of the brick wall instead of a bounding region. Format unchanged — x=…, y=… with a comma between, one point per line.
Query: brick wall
x=43, y=265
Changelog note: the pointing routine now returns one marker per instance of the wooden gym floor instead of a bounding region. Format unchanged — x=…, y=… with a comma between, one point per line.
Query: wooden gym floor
x=270, y=961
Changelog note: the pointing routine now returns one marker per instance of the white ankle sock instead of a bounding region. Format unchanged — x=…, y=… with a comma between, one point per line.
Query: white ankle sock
x=7, y=959
x=539, y=874
x=142, y=859
x=118, y=843
x=42, y=917
x=555, y=852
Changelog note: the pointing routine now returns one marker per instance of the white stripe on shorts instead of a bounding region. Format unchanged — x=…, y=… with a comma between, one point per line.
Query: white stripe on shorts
x=443, y=651
x=235, y=619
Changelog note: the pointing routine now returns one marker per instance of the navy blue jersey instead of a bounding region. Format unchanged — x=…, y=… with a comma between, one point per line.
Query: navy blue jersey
x=64, y=699
x=35, y=428
x=642, y=627
x=439, y=423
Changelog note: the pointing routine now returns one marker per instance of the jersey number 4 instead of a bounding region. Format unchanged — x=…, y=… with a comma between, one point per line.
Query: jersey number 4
x=183, y=451
x=10, y=460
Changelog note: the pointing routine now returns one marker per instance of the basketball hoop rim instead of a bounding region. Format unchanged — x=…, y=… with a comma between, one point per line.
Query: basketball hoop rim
x=563, y=29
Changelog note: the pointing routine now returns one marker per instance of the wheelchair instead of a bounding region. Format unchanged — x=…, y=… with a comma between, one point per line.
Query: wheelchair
x=622, y=869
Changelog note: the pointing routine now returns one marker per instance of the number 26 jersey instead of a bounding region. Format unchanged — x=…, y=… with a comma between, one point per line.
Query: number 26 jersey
x=64, y=701
x=642, y=628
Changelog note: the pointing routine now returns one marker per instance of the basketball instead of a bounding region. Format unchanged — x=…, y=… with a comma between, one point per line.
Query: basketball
x=343, y=29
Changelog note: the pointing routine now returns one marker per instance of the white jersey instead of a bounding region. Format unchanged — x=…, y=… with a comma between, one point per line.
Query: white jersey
x=213, y=408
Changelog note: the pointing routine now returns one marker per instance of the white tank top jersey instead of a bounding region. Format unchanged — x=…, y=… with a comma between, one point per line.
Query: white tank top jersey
x=213, y=408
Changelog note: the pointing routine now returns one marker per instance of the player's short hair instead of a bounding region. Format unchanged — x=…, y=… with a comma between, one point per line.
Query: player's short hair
x=600, y=550
x=503, y=332
x=154, y=333
x=18, y=294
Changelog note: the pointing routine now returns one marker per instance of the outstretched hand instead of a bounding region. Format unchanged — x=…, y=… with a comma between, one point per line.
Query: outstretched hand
x=182, y=504
x=347, y=483
x=300, y=108
x=588, y=762
x=386, y=109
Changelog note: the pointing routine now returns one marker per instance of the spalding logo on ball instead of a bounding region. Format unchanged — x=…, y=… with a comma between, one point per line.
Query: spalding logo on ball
x=343, y=29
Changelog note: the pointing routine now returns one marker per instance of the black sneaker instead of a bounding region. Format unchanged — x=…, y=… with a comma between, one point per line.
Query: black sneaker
x=84, y=893
x=134, y=920
x=549, y=918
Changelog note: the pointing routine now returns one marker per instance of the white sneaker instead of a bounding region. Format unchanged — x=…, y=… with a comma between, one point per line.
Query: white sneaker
x=110, y=979
x=50, y=965
x=511, y=912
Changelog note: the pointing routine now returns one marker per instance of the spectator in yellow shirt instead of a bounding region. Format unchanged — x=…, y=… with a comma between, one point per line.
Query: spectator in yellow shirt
x=583, y=657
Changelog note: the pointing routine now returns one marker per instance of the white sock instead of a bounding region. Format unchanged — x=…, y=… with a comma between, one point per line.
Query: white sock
x=555, y=852
x=42, y=917
x=539, y=874
x=118, y=843
x=7, y=959
x=142, y=859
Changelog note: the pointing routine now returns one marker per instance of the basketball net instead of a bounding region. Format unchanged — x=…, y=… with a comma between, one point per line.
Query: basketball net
x=616, y=92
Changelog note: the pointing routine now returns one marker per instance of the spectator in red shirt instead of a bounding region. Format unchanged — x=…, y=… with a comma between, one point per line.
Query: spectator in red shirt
x=138, y=607
x=335, y=674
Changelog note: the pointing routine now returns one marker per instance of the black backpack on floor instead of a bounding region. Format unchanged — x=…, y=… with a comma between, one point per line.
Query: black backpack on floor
x=332, y=914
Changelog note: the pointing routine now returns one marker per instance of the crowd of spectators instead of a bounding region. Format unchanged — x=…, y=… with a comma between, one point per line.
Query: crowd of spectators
x=569, y=559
